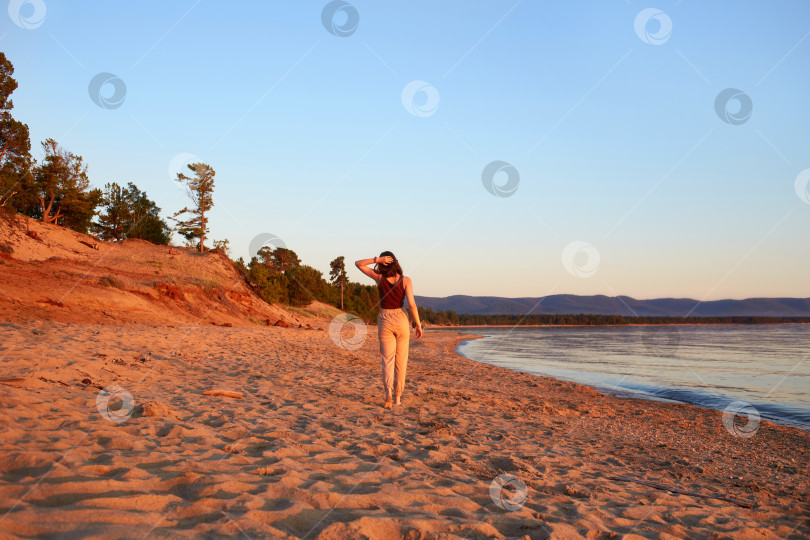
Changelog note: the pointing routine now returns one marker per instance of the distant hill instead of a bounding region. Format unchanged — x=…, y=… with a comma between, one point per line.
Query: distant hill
x=618, y=305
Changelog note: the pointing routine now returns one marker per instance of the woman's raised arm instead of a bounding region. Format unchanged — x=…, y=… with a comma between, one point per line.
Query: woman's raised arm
x=363, y=266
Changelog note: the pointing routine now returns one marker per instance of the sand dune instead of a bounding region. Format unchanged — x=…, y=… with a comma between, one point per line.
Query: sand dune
x=308, y=451
x=52, y=273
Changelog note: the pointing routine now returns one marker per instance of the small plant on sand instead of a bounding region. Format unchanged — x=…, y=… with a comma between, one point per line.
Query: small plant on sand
x=222, y=246
x=213, y=293
x=111, y=281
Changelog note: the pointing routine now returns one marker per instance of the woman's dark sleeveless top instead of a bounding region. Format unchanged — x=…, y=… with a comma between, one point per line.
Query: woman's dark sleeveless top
x=392, y=296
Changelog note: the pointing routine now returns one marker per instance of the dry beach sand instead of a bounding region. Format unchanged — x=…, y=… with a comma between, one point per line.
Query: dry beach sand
x=308, y=452
x=143, y=394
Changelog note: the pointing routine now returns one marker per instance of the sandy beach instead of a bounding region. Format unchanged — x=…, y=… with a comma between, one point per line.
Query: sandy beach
x=300, y=447
x=207, y=208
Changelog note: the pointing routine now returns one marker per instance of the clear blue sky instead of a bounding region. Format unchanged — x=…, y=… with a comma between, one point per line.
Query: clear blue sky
x=614, y=133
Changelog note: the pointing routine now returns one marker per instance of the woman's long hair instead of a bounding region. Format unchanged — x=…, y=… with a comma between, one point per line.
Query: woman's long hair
x=388, y=270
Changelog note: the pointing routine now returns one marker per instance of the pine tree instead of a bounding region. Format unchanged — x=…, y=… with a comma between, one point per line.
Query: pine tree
x=128, y=213
x=338, y=276
x=200, y=189
x=62, y=189
x=146, y=223
x=116, y=215
x=278, y=260
x=15, y=145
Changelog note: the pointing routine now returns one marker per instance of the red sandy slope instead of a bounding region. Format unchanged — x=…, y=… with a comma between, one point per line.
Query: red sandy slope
x=52, y=273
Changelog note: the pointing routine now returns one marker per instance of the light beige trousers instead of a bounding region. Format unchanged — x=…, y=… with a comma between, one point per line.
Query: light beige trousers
x=394, y=332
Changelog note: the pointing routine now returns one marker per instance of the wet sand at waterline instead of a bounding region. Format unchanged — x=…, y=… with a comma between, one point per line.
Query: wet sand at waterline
x=293, y=442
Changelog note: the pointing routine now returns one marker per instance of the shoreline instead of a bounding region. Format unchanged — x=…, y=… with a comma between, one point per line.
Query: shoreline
x=612, y=392
x=624, y=393
x=439, y=327
x=274, y=432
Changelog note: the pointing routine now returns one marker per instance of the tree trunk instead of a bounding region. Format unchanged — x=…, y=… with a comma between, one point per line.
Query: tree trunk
x=341, y=296
x=6, y=198
x=202, y=230
x=46, y=210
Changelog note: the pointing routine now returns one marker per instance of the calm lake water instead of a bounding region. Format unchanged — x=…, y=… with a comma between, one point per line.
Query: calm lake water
x=710, y=366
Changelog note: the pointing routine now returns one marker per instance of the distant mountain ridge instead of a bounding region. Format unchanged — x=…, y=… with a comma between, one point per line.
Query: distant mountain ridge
x=618, y=305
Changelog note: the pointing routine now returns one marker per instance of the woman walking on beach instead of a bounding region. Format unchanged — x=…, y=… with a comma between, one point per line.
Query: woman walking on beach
x=392, y=323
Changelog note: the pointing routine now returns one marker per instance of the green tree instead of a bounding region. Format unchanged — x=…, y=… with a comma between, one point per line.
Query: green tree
x=128, y=213
x=271, y=286
x=338, y=276
x=115, y=215
x=305, y=285
x=200, y=189
x=279, y=276
x=278, y=260
x=15, y=145
x=62, y=189
x=145, y=221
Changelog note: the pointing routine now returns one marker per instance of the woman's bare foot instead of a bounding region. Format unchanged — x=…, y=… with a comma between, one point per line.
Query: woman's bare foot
x=387, y=403
x=398, y=400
